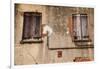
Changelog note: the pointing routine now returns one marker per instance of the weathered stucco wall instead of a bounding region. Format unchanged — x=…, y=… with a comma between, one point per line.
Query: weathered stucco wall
x=22, y=51
x=58, y=19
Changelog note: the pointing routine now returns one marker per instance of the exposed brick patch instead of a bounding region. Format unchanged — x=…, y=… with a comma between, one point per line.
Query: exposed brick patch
x=81, y=59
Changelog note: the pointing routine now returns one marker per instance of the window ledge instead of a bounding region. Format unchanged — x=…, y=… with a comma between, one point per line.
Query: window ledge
x=86, y=40
x=31, y=41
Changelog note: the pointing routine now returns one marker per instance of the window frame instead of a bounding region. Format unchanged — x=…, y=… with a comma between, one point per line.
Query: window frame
x=32, y=39
x=80, y=19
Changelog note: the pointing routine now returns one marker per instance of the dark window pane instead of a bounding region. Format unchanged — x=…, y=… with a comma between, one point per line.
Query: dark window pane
x=27, y=21
x=37, y=27
x=31, y=26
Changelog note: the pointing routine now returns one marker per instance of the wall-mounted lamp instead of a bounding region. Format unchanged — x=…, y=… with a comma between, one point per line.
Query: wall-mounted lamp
x=67, y=32
x=89, y=43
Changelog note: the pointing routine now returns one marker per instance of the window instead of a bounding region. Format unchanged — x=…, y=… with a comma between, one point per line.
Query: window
x=32, y=26
x=80, y=24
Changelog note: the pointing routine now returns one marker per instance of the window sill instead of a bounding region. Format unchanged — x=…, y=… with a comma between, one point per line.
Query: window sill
x=86, y=40
x=30, y=41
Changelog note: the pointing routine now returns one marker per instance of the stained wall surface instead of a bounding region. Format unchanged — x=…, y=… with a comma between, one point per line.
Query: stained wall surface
x=59, y=19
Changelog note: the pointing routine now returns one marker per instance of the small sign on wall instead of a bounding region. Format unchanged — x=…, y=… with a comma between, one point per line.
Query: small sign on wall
x=59, y=54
